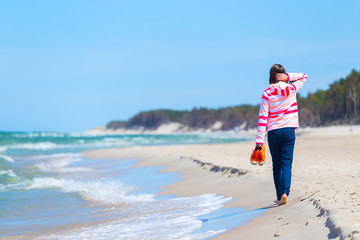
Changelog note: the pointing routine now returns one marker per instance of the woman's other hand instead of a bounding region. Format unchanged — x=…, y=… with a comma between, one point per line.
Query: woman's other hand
x=282, y=77
x=258, y=146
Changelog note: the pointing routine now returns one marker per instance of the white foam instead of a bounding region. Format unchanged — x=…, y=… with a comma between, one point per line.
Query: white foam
x=3, y=148
x=7, y=158
x=46, y=167
x=106, y=191
x=161, y=219
x=60, y=163
x=113, y=142
x=93, y=134
x=56, y=155
x=36, y=146
x=12, y=186
x=37, y=134
x=85, y=141
x=10, y=173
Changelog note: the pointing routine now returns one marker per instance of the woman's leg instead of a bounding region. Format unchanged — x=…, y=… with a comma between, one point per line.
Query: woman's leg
x=275, y=150
x=287, y=153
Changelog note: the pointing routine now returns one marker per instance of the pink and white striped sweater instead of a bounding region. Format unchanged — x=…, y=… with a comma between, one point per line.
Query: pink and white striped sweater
x=278, y=107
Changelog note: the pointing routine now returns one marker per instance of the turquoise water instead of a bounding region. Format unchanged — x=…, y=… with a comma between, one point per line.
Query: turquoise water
x=35, y=143
x=49, y=191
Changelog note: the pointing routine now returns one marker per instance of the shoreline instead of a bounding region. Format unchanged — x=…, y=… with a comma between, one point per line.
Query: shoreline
x=316, y=208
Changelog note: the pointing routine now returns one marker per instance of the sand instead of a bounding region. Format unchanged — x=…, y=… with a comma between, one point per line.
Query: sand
x=324, y=202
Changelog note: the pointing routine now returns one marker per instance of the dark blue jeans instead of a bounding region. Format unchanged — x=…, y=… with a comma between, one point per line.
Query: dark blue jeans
x=281, y=144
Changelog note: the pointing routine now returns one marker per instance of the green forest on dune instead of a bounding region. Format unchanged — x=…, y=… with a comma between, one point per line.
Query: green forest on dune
x=339, y=104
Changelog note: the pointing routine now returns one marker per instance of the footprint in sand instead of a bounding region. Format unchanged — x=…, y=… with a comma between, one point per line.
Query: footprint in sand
x=279, y=233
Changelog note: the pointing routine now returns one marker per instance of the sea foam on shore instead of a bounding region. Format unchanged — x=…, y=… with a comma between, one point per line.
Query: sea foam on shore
x=46, y=184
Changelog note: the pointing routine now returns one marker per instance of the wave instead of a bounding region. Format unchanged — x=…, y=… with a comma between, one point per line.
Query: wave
x=37, y=134
x=31, y=148
x=36, y=146
x=105, y=191
x=113, y=142
x=7, y=158
x=10, y=173
x=175, y=218
x=56, y=155
x=3, y=148
x=9, y=180
x=26, y=144
x=60, y=162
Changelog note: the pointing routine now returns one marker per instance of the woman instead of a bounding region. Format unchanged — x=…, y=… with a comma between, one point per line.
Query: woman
x=278, y=115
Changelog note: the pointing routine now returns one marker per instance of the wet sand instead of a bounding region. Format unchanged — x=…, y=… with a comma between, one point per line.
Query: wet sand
x=324, y=202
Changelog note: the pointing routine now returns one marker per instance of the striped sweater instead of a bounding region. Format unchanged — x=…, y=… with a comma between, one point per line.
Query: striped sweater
x=278, y=107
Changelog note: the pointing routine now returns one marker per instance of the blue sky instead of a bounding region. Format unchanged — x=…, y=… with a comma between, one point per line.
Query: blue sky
x=71, y=65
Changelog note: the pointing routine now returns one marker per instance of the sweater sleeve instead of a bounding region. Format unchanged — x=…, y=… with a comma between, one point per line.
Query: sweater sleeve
x=298, y=80
x=263, y=117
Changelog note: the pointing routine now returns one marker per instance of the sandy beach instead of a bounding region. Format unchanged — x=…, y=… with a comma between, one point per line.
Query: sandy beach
x=324, y=202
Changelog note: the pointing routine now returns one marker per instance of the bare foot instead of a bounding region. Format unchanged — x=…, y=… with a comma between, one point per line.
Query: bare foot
x=283, y=200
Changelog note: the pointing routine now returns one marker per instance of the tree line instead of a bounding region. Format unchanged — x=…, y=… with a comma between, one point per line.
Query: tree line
x=337, y=105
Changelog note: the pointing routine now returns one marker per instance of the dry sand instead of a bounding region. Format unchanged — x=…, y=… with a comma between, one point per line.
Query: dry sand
x=324, y=202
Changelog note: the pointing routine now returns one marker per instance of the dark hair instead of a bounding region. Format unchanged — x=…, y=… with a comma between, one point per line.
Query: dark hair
x=276, y=68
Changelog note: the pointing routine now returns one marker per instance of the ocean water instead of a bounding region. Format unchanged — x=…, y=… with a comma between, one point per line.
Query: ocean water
x=49, y=191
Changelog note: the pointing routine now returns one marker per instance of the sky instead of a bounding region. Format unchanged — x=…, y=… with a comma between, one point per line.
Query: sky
x=72, y=65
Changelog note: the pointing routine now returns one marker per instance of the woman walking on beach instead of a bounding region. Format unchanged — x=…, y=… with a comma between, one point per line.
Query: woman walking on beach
x=278, y=115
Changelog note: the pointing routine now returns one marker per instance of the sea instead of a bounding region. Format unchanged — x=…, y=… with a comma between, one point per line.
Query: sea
x=48, y=190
